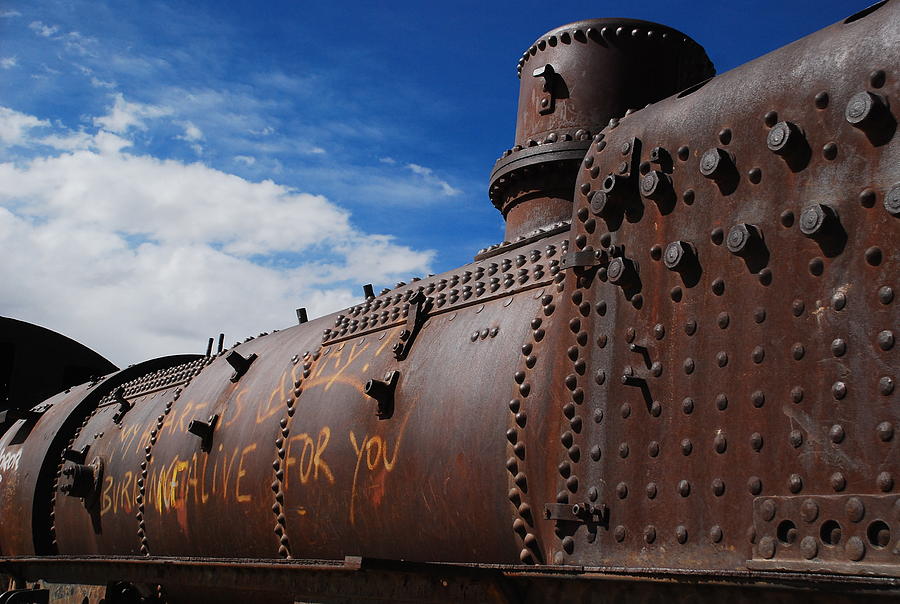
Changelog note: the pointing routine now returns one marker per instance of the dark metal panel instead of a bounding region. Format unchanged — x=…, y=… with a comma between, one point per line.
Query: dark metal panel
x=760, y=360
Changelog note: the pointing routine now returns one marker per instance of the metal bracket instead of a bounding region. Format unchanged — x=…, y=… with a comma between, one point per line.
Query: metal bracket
x=78, y=456
x=548, y=103
x=383, y=393
x=204, y=429
x=240, y=364
x=587, y=513
x=584, y=259
x=419, y=306
x=124, y=404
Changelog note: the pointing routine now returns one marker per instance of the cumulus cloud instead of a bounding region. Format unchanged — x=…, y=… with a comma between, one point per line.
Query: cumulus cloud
x=14, y=126
x=138, y=256
x=125, y=115
x=8, y=62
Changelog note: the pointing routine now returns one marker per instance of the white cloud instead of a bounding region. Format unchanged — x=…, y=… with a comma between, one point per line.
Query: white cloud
x=98, y=83
x=155, y=255
x=125, y=115
x=41, y=29
x=8, y=62
x=245, y=159
x=191, y=132
x=387, y=160
x=10, y=13
x=14, y=126
x=428, y=176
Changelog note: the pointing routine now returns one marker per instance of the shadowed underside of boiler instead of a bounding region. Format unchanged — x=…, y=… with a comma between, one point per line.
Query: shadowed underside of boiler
x=674, y=380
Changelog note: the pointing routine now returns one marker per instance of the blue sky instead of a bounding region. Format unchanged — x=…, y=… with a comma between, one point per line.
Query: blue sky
x=169, y=170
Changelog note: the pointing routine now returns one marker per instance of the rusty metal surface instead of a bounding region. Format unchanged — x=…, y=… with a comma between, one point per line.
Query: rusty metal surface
x=364, y=579
x=647, y=405
x=735, y=345
x=573, y=80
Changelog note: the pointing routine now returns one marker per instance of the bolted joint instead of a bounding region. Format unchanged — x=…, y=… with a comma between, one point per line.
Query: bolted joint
x=83, y=480
x=818, y=220
x=743, y=238
x=661, y=157
x=630, y=379
x=383, y=393
x=865, y=110
x=77, y=456
x=239, y=363
x=621, y=271
x=716, y=164
x=784, y=138
x=679, y=255
x=656, y=185
x=204, y=430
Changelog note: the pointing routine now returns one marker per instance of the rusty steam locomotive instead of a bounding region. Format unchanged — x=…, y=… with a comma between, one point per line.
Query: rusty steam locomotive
x=674, y=380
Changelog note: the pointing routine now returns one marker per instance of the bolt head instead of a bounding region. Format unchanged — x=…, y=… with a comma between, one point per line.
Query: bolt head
x=863, y=108
x=782, y=137
x=714, y=162
x=655, y=184
x=677, y=255
x=740, y=238
x=815, y=219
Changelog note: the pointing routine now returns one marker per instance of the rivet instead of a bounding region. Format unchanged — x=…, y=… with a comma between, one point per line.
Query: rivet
x=687, y=405
x=721, y=358
x=758, y=398
x=650, y=533
x=829, y=150
x=686, y=447
x=721, y=402
x=718, y=287
x=886, y=294
x=623, y=450
x=681, y=534
x=839, y=390
x=885, y=385
x=676, y=293
x=838, y=482
x=816, y=266
x=885, y=340
x=809, y=547
x=684, y=488
x=754, y=485
x=855, y=509
x=821, y=100
x=717, y=236
x=622, y=490
x=855, y=548
x=619, y=533
x=795, y=483
x=526, y=557
x=797, y=394
x=567, y=438
x=595, y=452
x=720, y=443
x=718, y=487
x=715, y=534
x=651, y=490
x=885, y=431
x=767, y=509
x=758, y=354
x=797, y=351
x=836, y=433
x=722, y=320
x=572, y=483
x=885, y=481
x=756, y=441
x=766, y=547
x=873, y=255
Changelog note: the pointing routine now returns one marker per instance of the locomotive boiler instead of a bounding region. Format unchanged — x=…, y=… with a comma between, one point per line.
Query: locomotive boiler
x=673, y=380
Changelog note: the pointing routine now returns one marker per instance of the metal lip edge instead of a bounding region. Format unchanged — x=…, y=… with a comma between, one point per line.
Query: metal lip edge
x=527, y=240
x=564, y=150
x=614, y=573
x=441, y=311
